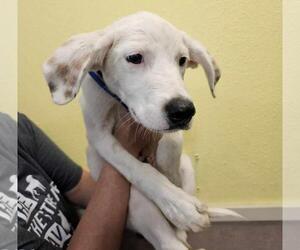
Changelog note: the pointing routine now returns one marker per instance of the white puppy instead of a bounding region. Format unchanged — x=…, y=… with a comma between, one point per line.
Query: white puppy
x=143, y=60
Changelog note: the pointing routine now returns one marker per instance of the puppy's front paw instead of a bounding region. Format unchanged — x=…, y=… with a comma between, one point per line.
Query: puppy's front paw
x=182, y=236
x=184, y=211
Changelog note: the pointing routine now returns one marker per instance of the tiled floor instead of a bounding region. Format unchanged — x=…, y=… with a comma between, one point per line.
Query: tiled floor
x=226, y=236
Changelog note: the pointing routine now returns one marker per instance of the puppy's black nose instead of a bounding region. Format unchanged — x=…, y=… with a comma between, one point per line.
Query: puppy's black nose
x=179, y=111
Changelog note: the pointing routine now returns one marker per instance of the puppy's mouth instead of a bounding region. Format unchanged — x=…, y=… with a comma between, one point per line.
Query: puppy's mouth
x=176, y=128
x=182, y=125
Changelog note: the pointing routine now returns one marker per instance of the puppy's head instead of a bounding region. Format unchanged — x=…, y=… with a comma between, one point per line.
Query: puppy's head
x=143, y=59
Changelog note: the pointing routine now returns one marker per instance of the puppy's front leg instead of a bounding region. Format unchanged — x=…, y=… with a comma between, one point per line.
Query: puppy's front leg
x=145, y=218
x=182, y=209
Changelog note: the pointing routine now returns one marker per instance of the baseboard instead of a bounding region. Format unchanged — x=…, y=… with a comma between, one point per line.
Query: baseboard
x=263, y=213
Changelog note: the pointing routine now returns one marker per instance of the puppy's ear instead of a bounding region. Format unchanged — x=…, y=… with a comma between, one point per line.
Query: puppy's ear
x=199, y=55
x=65, y=69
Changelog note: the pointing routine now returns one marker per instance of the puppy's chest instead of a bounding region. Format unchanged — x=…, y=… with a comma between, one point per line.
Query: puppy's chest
x=151, y=151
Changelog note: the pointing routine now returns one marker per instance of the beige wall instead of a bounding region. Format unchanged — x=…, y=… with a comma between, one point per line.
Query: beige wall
x=291, y=124
x=237, y=136
x=291, y=104
x=8, y=57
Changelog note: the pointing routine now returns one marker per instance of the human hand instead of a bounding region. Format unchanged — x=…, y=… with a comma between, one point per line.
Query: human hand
x=136, y=139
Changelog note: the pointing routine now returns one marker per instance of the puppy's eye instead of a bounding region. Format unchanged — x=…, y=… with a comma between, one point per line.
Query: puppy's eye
x=182, y=61
x=135, y=59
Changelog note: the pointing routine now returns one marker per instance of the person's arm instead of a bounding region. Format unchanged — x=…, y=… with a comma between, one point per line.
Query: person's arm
x=83, y=190
x=133, y=140
x=102, y=224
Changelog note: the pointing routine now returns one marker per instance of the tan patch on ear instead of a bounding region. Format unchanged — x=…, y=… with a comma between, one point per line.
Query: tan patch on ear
x=68, y=94
x=192, y=64
x=218, y=76
x=95, y=66
x=217, y=71
x=52, y=87
x=76, y=64
x=71, y=79
x=69, y=73
x=62, y=70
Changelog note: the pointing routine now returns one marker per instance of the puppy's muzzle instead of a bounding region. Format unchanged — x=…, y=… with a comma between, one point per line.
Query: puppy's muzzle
x=179, y=112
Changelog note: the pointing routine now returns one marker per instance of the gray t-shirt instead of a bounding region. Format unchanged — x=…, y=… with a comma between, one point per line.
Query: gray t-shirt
x=8, y=182
x=46, y=220
x=32, y=194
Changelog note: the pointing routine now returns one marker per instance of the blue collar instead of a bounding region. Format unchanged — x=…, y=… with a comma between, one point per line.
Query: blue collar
x=97, y=76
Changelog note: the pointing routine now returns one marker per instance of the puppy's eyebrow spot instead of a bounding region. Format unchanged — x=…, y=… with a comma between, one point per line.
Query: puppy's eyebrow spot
x=62, y=70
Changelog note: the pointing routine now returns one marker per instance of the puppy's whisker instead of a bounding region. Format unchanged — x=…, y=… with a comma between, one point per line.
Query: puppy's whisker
x=145, y=133
x=135, y=138
x=140, y=130
x=125, y=117
x=121, y=117
x=125, y=121
x=130, y=123
x=121, y=124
